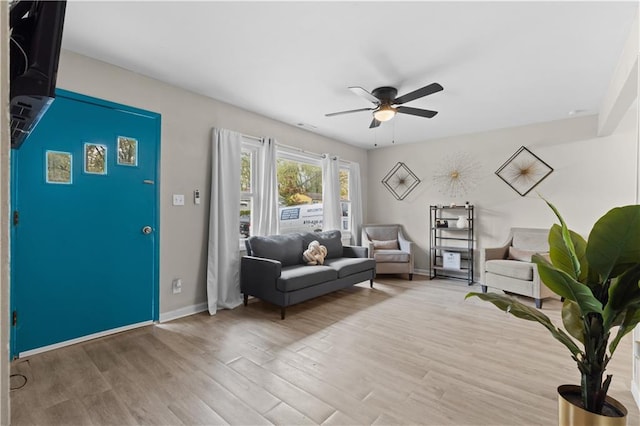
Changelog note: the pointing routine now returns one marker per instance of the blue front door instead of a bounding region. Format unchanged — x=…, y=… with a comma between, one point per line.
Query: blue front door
x=85, y=242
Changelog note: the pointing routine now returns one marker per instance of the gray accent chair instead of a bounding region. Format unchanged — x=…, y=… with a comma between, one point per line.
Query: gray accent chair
x=509, y=266
x=389, y=247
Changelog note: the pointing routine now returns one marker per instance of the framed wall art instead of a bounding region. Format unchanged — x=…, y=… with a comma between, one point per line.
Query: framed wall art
x=523, y=171
x=400, y=181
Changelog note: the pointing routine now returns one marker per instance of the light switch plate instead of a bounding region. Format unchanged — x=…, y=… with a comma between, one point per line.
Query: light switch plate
x=178, y=199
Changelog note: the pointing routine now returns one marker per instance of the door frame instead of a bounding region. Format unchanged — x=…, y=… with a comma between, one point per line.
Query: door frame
x=155, y=302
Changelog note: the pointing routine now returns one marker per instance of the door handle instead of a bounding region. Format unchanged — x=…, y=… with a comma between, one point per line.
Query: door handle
x=146, y=230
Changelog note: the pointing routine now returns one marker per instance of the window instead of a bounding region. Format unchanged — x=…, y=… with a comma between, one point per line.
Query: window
x=300, y=192
x=247, y=186
x=345, y=200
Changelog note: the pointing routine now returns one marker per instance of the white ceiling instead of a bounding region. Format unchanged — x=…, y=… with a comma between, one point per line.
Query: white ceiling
x=502, y=64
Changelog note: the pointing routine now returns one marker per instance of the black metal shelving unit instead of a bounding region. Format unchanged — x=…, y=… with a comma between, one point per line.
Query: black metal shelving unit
x=454, y=243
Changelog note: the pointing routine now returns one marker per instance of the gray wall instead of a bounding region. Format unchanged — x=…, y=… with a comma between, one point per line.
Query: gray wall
x=187, y=119
x=591, y=175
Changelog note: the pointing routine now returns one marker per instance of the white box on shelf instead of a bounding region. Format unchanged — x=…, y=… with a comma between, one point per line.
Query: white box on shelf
x=450, y=260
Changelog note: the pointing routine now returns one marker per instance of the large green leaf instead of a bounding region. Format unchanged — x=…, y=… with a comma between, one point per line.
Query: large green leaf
x=564, y=285
x=561, y=256
x=572, y=320
x=623, y=291
x=614, y=242
x=528, y=313
x=569, y=248
x=631, y=319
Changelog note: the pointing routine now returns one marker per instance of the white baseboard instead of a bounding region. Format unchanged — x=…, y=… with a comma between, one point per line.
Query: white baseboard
x=83, y=339
x=183, y=312
x=636, y=393
x=424, y=272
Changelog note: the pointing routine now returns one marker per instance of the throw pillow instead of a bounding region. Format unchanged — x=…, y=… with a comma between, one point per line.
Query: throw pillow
x=522, y=254
x=385, y=245
x=332, y=240
x=315, y=253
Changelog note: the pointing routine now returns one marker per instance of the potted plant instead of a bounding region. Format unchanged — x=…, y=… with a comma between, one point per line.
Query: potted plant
x=598, y=280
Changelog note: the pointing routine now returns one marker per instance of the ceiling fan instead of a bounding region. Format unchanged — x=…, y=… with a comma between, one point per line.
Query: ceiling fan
x=385, y=101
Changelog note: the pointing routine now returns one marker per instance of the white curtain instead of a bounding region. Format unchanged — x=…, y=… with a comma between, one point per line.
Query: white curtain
x=331, y=211
x=223, y=264
x=266, y=208
x=355, y=195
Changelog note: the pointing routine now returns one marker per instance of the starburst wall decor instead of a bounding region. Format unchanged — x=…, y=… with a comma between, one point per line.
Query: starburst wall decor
x=457, y=174
x=400, y=181
x=523, y=171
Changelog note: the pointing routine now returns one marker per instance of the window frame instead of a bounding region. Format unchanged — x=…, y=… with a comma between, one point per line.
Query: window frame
x=251, y=147
x=346, y=231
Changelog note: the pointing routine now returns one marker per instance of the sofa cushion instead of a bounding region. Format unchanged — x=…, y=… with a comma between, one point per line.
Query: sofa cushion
x=285, y=248
x=302, y=276
x=511, y=268
x=385, y=245
x=332, y=240
x=391, y=256
x=382, y=232
x=534, y=239
x=346, y=266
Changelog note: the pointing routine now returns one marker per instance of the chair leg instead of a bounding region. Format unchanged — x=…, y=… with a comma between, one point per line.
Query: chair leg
x=246, y=299
x=484, y=288
x=410, y=277
x=282, y=311
x=371, y=283
x=538, y=303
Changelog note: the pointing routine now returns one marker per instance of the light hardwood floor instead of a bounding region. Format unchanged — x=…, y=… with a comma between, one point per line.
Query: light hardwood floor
x=405, y=352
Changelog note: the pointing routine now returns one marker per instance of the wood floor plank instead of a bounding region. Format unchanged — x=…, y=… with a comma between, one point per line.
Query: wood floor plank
x=299, y=399
x=107, y=409
x=284, y=414
x=404, y=352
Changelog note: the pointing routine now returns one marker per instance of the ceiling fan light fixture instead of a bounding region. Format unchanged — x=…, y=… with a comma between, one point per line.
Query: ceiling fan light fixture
x=384, y=113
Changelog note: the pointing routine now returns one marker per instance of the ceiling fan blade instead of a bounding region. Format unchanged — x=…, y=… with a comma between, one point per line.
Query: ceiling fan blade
x=426, y=90
x=363, y=93
x=374, y=123
x=348, y=112
x=417, y=111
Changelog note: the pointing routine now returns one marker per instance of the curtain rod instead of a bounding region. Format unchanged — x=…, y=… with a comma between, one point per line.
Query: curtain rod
x=302, y=151
x=293, y=148
x=251, y=137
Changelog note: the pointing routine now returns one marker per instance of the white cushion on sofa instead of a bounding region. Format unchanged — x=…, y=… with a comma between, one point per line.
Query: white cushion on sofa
x=511, y=268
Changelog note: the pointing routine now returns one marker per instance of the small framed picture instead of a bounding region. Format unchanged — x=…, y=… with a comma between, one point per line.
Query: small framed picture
x=95, y=159
x=58, y=167
x=127, y=151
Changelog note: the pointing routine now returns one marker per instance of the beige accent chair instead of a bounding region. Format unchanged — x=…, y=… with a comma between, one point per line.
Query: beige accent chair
x=509, y=267
x=388, y=246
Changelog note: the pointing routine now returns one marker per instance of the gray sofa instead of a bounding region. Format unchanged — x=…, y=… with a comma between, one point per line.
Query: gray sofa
x=274, y=270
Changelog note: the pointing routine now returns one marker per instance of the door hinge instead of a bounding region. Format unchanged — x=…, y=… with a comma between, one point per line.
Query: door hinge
x=16, y=217
x=14, y=319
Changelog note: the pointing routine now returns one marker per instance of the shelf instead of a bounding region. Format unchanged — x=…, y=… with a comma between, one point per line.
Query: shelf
x=442, y=268
x=453, y=208
x=452, y=239
x=450, y=248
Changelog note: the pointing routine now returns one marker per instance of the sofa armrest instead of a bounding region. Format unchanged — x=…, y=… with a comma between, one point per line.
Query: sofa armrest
x=255, y=271
x=366, y=243
x=405, y=244
x=355, y=251
x=494, y=253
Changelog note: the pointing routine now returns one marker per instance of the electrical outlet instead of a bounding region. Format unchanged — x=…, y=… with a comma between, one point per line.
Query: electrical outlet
x=178, y=199
x=177, y=286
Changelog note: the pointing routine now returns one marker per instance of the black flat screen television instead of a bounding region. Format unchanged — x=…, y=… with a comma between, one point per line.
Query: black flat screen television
x=36, y=37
